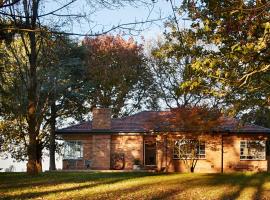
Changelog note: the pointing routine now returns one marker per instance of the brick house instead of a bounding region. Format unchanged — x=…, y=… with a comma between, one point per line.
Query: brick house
x=106, y=143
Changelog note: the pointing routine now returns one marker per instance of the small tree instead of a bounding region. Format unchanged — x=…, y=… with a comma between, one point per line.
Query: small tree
x=197, y=121
x=193, y=123
x=188, y=151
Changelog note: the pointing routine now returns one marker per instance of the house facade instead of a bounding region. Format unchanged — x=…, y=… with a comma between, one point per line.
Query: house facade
x=106, y=143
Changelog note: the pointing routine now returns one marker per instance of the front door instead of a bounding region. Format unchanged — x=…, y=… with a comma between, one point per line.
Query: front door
x=149, y=153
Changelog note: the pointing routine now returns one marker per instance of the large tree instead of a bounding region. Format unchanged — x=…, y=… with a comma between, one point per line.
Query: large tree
x=68, y=90
x=60, y=94
x=31, y=24
x=118, y=72
x=170, y=63
x=236, y=37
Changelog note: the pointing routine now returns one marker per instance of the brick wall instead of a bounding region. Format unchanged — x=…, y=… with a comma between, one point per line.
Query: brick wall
x=101, y=151
x=231, y=154
x=101, y=118
x=212, y=162
x=99, y=148
x=130, y=146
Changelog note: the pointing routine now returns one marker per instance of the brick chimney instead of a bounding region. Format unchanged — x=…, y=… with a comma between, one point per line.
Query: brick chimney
x=101, y=118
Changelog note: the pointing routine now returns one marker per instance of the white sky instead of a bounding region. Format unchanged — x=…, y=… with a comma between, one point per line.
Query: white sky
x=107, y=18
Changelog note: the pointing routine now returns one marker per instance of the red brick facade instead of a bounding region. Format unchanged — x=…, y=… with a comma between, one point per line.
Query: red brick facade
x=107, y=142
x=100, y=147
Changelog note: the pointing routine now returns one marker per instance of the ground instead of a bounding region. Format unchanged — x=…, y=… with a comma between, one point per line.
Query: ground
x=131, y=185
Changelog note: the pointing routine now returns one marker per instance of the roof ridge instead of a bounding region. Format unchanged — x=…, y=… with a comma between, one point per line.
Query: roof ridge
x=74, y=125
x=144, y=111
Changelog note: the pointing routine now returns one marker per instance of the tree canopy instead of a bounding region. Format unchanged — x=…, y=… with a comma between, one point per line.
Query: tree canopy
x=118, y=72
x=236, y=36
x=226, y=52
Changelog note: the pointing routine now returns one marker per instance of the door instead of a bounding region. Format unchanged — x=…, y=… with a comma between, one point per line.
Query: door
x=149, y=153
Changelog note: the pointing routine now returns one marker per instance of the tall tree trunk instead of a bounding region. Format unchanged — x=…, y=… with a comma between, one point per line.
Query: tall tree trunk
x=52, y=136
x=33, y=161
x=34, y=158
x=39, y=157
x=32, y=164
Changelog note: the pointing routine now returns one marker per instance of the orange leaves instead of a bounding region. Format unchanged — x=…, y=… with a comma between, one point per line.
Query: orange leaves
x=197, y=119
x=115, y=67
x=200, y=118
x=109, y=43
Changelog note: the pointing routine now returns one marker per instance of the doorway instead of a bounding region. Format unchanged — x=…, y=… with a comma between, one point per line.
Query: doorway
x=149, y=153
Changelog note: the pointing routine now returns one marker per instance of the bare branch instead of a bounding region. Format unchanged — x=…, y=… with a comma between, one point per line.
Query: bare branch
x=123, y=26
x=58, y=9
x=4, y=3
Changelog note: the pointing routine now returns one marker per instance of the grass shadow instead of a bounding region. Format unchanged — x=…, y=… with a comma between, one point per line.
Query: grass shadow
x=130, y=185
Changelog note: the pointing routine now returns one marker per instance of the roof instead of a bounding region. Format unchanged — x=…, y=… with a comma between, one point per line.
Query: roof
x=157, y=121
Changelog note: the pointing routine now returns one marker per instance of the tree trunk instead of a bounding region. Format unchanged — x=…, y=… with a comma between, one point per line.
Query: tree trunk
x=191, y=169
x=39, y=157
x=52, y=137
x=33, y=165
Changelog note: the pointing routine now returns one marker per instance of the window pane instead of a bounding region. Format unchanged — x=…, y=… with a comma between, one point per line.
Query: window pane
x=73, y=150
x=185, y=149
x=252, y=150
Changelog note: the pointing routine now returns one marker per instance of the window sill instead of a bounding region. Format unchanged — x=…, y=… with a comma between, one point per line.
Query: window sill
x=252, y=159
x=72, y=159
x=189, y=159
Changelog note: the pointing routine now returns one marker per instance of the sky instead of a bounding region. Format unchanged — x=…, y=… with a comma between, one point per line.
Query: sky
x=103, y=19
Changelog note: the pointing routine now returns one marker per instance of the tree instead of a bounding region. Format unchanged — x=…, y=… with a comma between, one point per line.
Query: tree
x=118, y=72
x=31, y=24
x=7, y=3
x=68, y=90
x=170, y=63
x=55, y=87
x=239, y=32
x=192, y=123
x=200, y=121
x=259, y=116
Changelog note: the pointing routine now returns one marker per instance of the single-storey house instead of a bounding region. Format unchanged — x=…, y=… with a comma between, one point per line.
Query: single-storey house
x=106, y=143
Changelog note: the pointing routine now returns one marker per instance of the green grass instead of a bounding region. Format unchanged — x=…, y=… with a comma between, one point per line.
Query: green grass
x=131, y=185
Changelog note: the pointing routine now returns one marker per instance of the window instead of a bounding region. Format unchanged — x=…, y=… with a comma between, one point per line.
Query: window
x=73, y=150
x=252, y=150
x=188, y=149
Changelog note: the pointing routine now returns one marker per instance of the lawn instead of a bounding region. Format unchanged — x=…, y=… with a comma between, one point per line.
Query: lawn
x=131, y=185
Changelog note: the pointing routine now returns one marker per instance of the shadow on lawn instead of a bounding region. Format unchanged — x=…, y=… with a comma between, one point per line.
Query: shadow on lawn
x=48, y=179
x=254, y=182
x=173, y=186
x=22, y=180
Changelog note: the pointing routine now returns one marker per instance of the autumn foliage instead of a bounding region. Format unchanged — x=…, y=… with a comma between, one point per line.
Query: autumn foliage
x=199, y=118
x=195, y=119
x=117, y=70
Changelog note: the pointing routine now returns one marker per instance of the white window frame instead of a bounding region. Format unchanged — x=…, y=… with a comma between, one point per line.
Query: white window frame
x=201, y=154
x=77, y=144
x=249, y=155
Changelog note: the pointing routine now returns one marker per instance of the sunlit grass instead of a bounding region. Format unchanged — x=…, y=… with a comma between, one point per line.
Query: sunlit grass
x=131, y=185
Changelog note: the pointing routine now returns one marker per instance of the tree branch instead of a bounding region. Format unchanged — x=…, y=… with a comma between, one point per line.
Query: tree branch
x=3, y=4
x=120, y=26
x=58, y=9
